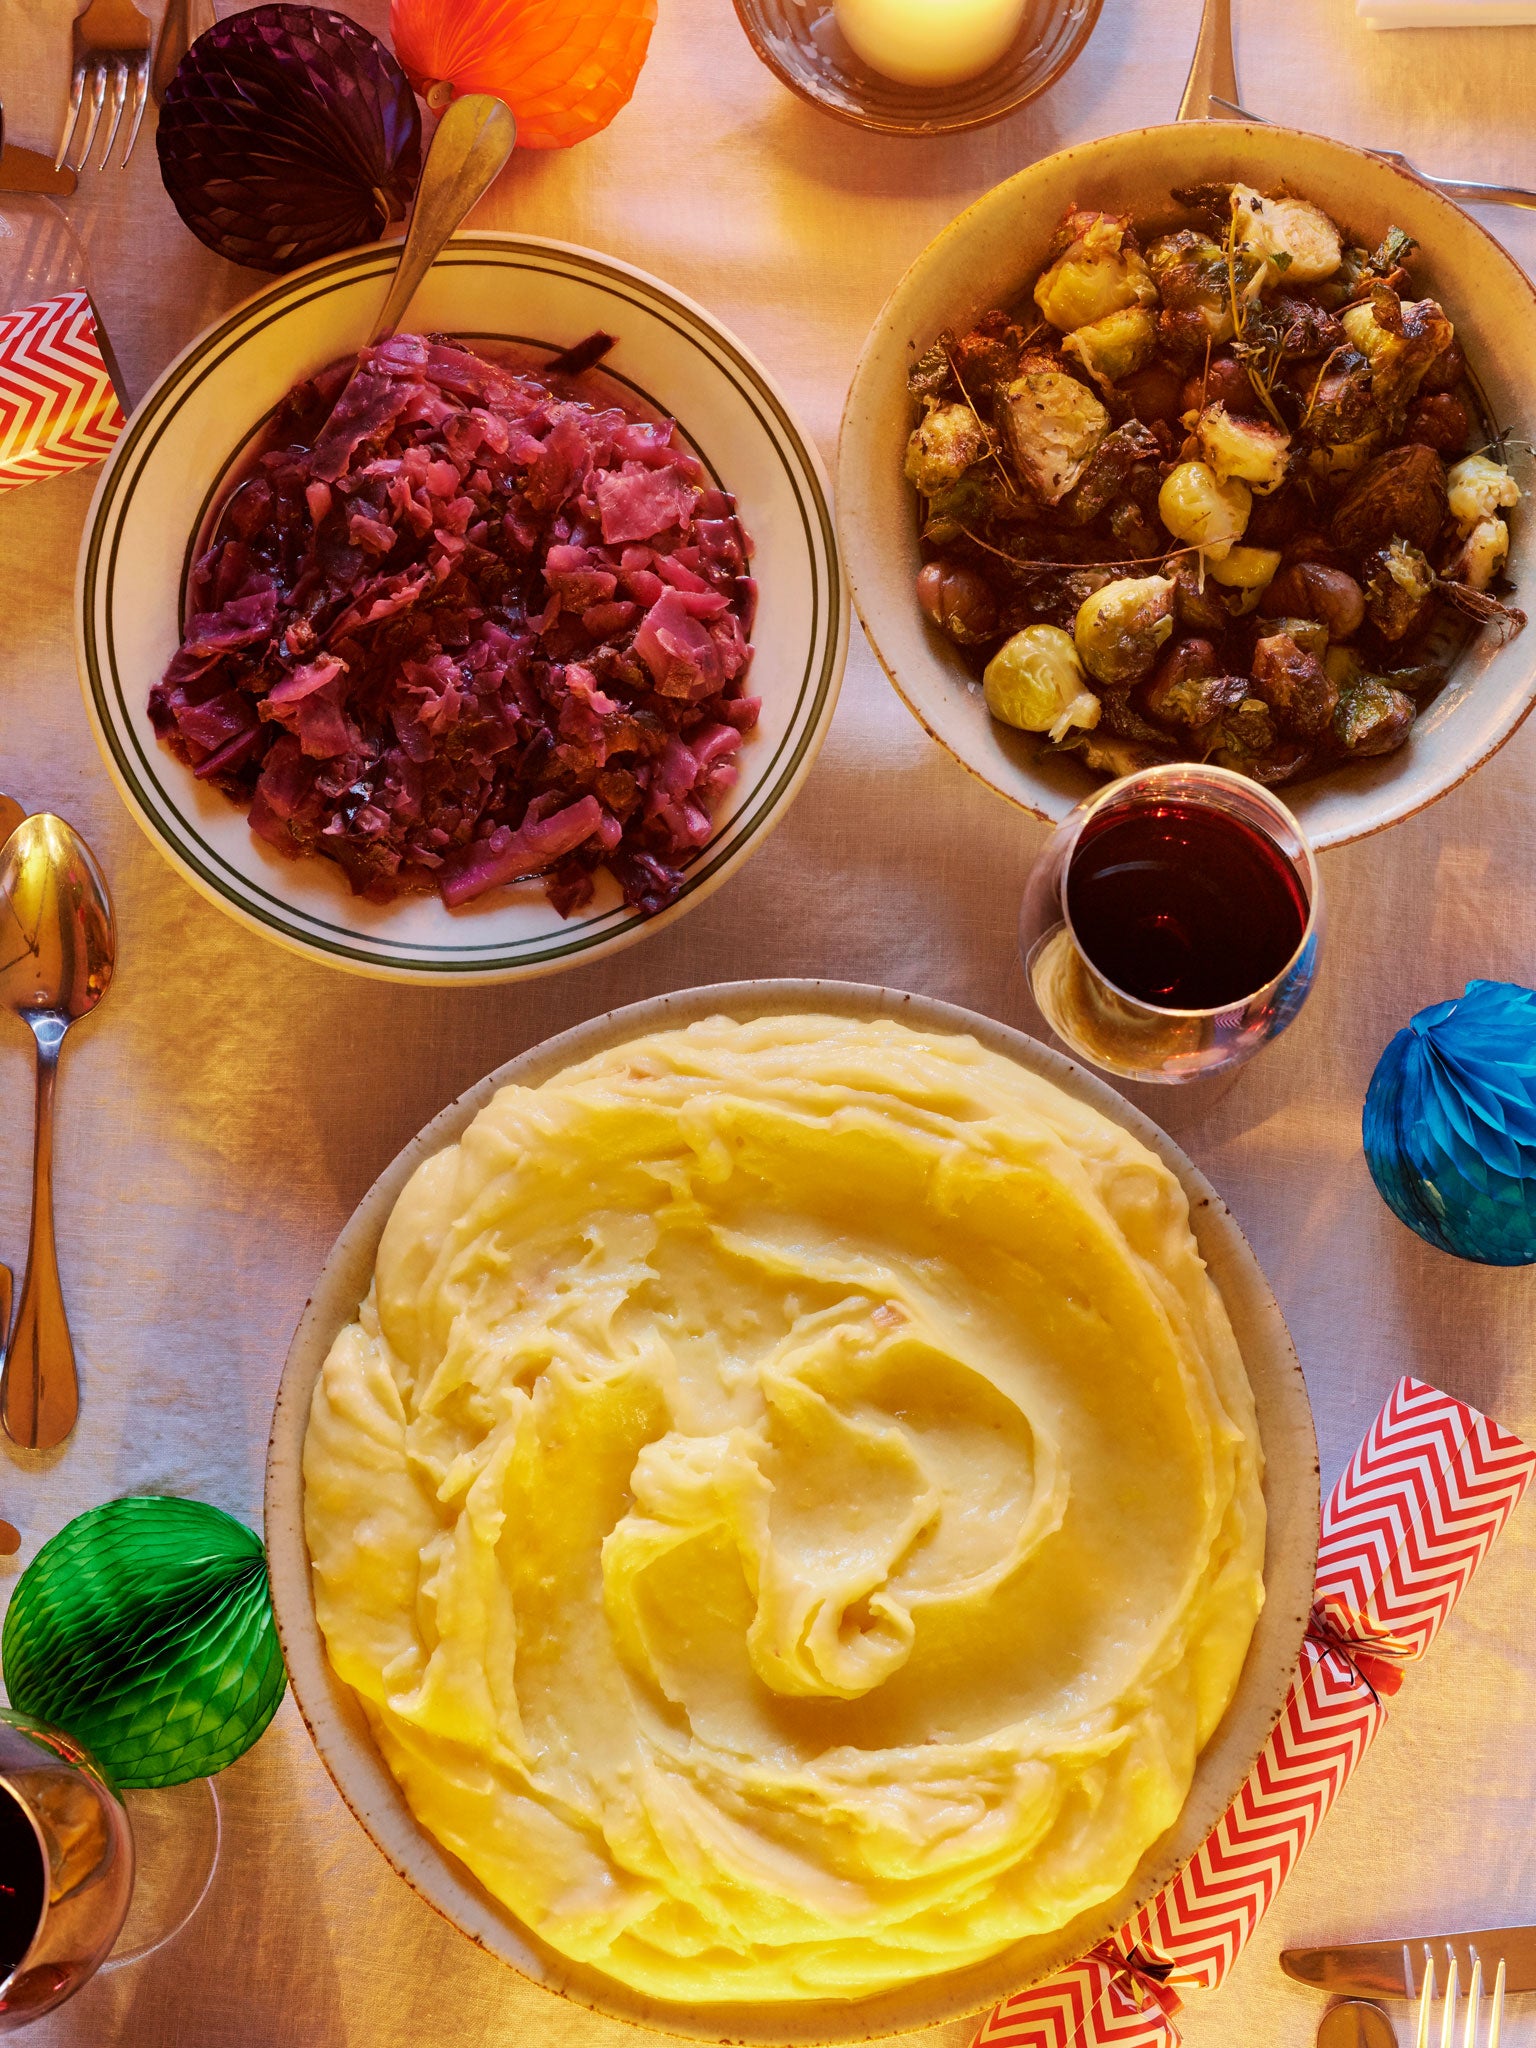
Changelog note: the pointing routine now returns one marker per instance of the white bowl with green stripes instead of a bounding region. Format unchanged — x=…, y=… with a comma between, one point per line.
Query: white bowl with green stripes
x=189, y=435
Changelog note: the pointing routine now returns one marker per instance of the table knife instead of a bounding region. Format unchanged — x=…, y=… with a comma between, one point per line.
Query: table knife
x=28, y=170
x=1395, y=1969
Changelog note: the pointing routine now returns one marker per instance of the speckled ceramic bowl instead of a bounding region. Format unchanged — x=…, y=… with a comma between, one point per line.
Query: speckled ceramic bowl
x=340, y=1731
x=987, y=257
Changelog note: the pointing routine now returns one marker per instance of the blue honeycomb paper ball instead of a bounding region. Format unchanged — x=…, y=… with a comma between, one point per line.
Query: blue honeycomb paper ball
x=1450, y=1124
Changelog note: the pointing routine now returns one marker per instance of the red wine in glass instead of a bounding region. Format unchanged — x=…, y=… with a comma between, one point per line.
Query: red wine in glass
x=1182, y=905
x=23, y=1883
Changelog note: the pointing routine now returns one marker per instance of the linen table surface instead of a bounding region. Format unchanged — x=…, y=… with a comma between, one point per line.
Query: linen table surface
x=227, y=1107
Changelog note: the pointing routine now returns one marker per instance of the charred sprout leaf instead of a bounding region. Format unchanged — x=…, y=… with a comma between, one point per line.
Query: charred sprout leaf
x=1393, y=251
x=1106, y=756
x=931, y=374
x=1108, y=474
x=1399, y=589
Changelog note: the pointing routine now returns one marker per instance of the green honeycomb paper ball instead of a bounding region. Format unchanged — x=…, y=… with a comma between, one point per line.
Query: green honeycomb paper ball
x=144, y=1629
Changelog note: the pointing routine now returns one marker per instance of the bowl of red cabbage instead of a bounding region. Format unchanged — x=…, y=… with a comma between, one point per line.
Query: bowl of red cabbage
x=475, y=654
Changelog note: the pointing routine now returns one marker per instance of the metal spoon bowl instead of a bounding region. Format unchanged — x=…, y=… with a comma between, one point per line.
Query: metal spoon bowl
x=58, y=947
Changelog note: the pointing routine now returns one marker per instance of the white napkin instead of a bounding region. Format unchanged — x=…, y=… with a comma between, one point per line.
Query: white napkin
x=1447, y=13
x=35, y=52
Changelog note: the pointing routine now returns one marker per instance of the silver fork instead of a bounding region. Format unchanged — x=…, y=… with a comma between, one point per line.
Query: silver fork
x=112, y=45
x=1210, y=94
x=1472, y=2022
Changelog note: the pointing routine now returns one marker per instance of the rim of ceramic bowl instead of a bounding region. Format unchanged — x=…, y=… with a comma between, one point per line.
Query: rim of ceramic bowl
x=931, y=123
x=1053, y=812
x=152, y=789
x=340, y=1731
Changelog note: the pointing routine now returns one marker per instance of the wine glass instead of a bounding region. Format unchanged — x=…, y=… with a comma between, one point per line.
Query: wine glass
x=66, y=1868
x=89, y=1879
x=1171, y=926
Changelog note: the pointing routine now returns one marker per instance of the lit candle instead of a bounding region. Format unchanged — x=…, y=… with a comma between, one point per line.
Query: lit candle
x=929, y=42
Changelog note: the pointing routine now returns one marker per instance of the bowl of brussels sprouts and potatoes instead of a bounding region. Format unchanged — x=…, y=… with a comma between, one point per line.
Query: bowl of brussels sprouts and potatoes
x=1203, y=442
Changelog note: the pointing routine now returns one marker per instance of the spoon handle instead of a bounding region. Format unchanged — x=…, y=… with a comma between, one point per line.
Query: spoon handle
x=39, y=1392
x=473, y=141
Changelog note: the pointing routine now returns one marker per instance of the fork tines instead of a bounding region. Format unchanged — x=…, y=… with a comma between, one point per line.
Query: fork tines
x=1473, y=2018
x=110, y=75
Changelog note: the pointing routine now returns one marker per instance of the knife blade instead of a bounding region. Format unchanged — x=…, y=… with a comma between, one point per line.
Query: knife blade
x=1395, y=1969
x=28, y=170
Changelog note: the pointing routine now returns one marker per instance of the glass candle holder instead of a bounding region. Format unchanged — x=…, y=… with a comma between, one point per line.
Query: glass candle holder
x=1171, y=926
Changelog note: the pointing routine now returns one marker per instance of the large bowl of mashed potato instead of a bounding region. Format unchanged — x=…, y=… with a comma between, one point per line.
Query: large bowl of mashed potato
x=792, y=1511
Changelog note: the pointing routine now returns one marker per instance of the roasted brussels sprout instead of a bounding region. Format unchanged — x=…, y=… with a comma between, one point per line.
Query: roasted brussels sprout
x=1187, y=688
x=1100, y=270
x=1298, y=241
x=1245, y=568
x=1052, y=423
x=1400, y=494
x=1120, y=628
x=1399, y=590
x=1481, y=555
x=1190, y=271
x=1114, y=347
x=1295, y=685
x=1398, y=340
x=1477, y=488
x=942, y=447
x=1342, y=423
x=1199, y=602
x=1249, y=727
x=1196, y=508
x=1310, y=590
x=1371, y=717
x=1035, y=682
x=1256, y=452
x=959, y=601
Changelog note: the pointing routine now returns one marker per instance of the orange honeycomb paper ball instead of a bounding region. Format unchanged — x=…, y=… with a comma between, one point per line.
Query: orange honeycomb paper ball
x=564, y=67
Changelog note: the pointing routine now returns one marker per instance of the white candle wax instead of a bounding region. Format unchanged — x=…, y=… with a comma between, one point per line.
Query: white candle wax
x=929, y=42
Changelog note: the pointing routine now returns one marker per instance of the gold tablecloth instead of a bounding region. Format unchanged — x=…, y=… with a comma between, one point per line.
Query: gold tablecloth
x=224, y=1111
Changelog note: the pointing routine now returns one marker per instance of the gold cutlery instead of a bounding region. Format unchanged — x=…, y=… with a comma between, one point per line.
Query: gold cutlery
x=58, y=946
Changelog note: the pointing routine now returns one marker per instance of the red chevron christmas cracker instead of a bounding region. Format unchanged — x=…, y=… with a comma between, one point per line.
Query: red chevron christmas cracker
x=1403, y=1531
x=58, y=407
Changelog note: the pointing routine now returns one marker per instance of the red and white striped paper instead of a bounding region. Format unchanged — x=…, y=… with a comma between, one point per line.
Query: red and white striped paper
x=1403, y=1531
x=58, y=408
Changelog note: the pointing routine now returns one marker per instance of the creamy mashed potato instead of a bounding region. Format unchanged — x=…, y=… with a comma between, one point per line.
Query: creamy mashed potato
x=790, y=1506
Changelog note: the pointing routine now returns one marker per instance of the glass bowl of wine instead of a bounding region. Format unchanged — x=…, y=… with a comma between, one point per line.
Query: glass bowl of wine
x=1171, y=926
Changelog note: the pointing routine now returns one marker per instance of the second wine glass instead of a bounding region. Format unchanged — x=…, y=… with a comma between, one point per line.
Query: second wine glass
x=1171, y=927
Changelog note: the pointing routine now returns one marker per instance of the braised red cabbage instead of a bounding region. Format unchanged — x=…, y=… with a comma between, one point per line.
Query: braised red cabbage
x=461, y=625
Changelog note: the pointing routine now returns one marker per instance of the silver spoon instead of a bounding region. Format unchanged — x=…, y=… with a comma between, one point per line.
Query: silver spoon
x=473, y=141
x=58, y=946
x=1356, y=2024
